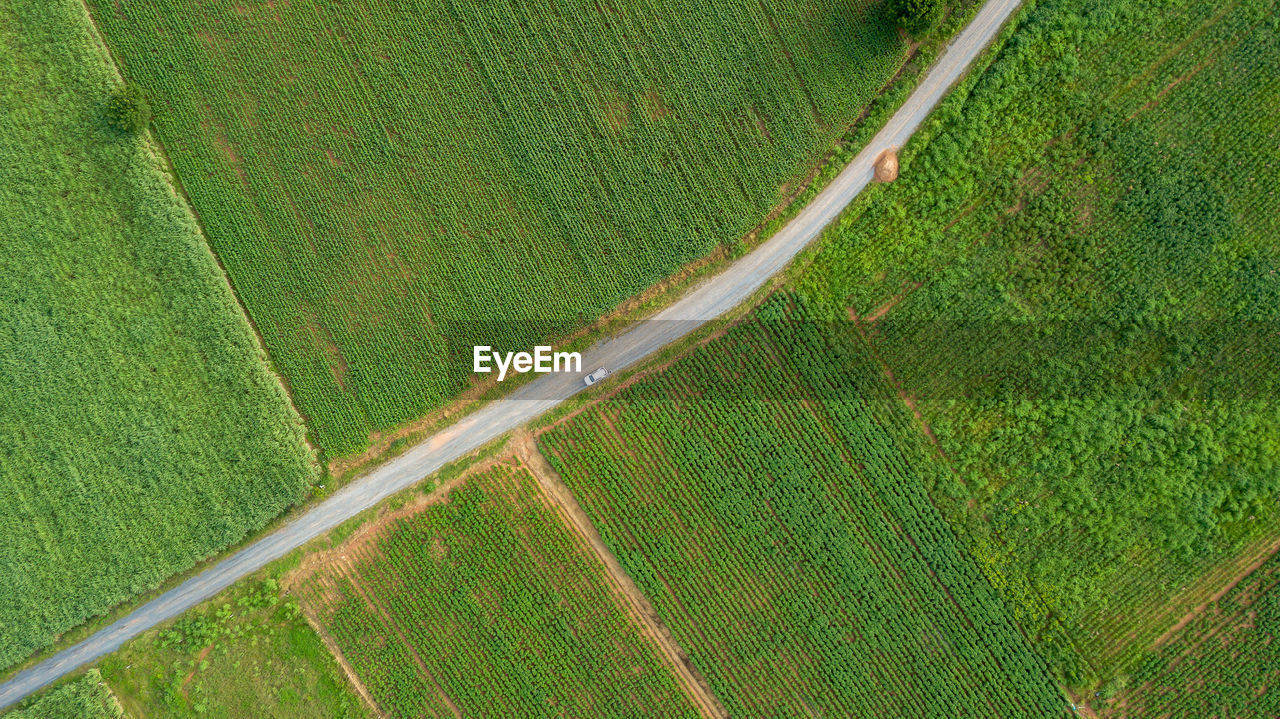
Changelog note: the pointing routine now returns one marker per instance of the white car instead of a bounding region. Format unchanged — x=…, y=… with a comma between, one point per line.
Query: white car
x=595, y=376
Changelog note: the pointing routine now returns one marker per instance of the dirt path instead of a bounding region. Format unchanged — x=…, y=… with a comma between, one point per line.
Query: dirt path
x=1222, y=591
x=394, y=626
x=352, y=678
x=368, y=533
x=695, y=685
x=710, y=299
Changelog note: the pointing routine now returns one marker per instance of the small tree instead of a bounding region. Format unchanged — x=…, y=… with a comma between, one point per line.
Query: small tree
x=128, y=110
x=915, y=16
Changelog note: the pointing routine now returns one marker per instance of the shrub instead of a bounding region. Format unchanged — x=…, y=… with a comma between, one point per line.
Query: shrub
x=915, y=16
x=128, y=110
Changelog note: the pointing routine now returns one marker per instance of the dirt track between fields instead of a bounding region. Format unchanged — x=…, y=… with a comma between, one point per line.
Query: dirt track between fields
x=713, y=297
x=642, y=612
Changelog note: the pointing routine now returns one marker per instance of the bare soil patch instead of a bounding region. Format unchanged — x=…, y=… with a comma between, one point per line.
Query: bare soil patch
x=658, y=109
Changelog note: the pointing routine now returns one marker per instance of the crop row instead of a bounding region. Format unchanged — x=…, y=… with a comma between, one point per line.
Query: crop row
x=489, y=605
x=1079, y=282
x=1224, y=662
x=787, y=540
x=389, y=185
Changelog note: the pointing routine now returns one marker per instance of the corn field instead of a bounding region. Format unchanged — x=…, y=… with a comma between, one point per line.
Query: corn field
x=488, y=605
x=390, y=183
x=140, y=428
x=788, y=542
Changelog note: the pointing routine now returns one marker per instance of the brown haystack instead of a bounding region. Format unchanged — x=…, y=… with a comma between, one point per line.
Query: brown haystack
x=887, y=166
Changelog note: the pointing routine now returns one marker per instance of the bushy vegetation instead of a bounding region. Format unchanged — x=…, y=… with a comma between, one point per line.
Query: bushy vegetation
x=140, y=429
x=1224, y=662
x=489, y=606
x=245, y=654
x=915, y=16
x=757, y=495
x=84, y=698
x=1076, y=280
x=128, y=109
x=388, y=188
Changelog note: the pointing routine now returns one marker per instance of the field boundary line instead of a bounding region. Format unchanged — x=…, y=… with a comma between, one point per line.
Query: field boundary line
x=1222, y=591
x=642, y=611
x=714, y=297
x=348, y=570
x=347, y=670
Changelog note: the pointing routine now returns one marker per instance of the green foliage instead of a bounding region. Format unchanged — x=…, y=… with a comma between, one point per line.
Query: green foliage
x=84, y=698
x=245, y=654
x=915, y=16
x=758, y=494
x=1224, y=662
x=128, y=109
x=1077, y=272
x=388, y=188
x=140, y=429
x=494, y=599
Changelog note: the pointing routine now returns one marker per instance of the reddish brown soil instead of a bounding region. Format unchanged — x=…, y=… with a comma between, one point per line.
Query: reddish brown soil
x=1259, y=560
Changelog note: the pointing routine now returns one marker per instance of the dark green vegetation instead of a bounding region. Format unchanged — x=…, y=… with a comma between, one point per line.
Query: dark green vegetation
x=1224, y=663
x=389, y=183
x=128, y=109
x=1076, y=280
x=140, y=429
x=915, y=16
x=490, y=606
x=245, y=654
x=83, y=698
x=758, y=494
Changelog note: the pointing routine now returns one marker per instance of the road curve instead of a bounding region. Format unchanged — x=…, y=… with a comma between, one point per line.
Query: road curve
x=709, y=300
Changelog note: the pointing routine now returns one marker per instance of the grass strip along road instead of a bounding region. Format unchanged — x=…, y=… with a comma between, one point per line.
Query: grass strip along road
x=711, y=299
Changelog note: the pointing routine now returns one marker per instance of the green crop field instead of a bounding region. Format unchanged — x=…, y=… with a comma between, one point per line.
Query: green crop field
x=389, y=183
x=140, y=429
x=1224, y=663
x=757, y=495
x=1077, y=282
x=83, y=698
x=488, y=605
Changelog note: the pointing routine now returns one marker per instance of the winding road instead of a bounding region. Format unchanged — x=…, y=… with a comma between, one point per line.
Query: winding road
x=707, y=301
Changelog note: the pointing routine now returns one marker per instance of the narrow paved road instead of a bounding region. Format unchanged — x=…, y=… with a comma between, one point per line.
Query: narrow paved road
x=712, y=298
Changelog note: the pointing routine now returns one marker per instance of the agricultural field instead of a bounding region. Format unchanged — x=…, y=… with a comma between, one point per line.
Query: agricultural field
x=390, y=183
x=1075, y=284
x=1224, y=663
x=84, y=698
x=758, y=495
x=485, y=605
x=140, y=428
